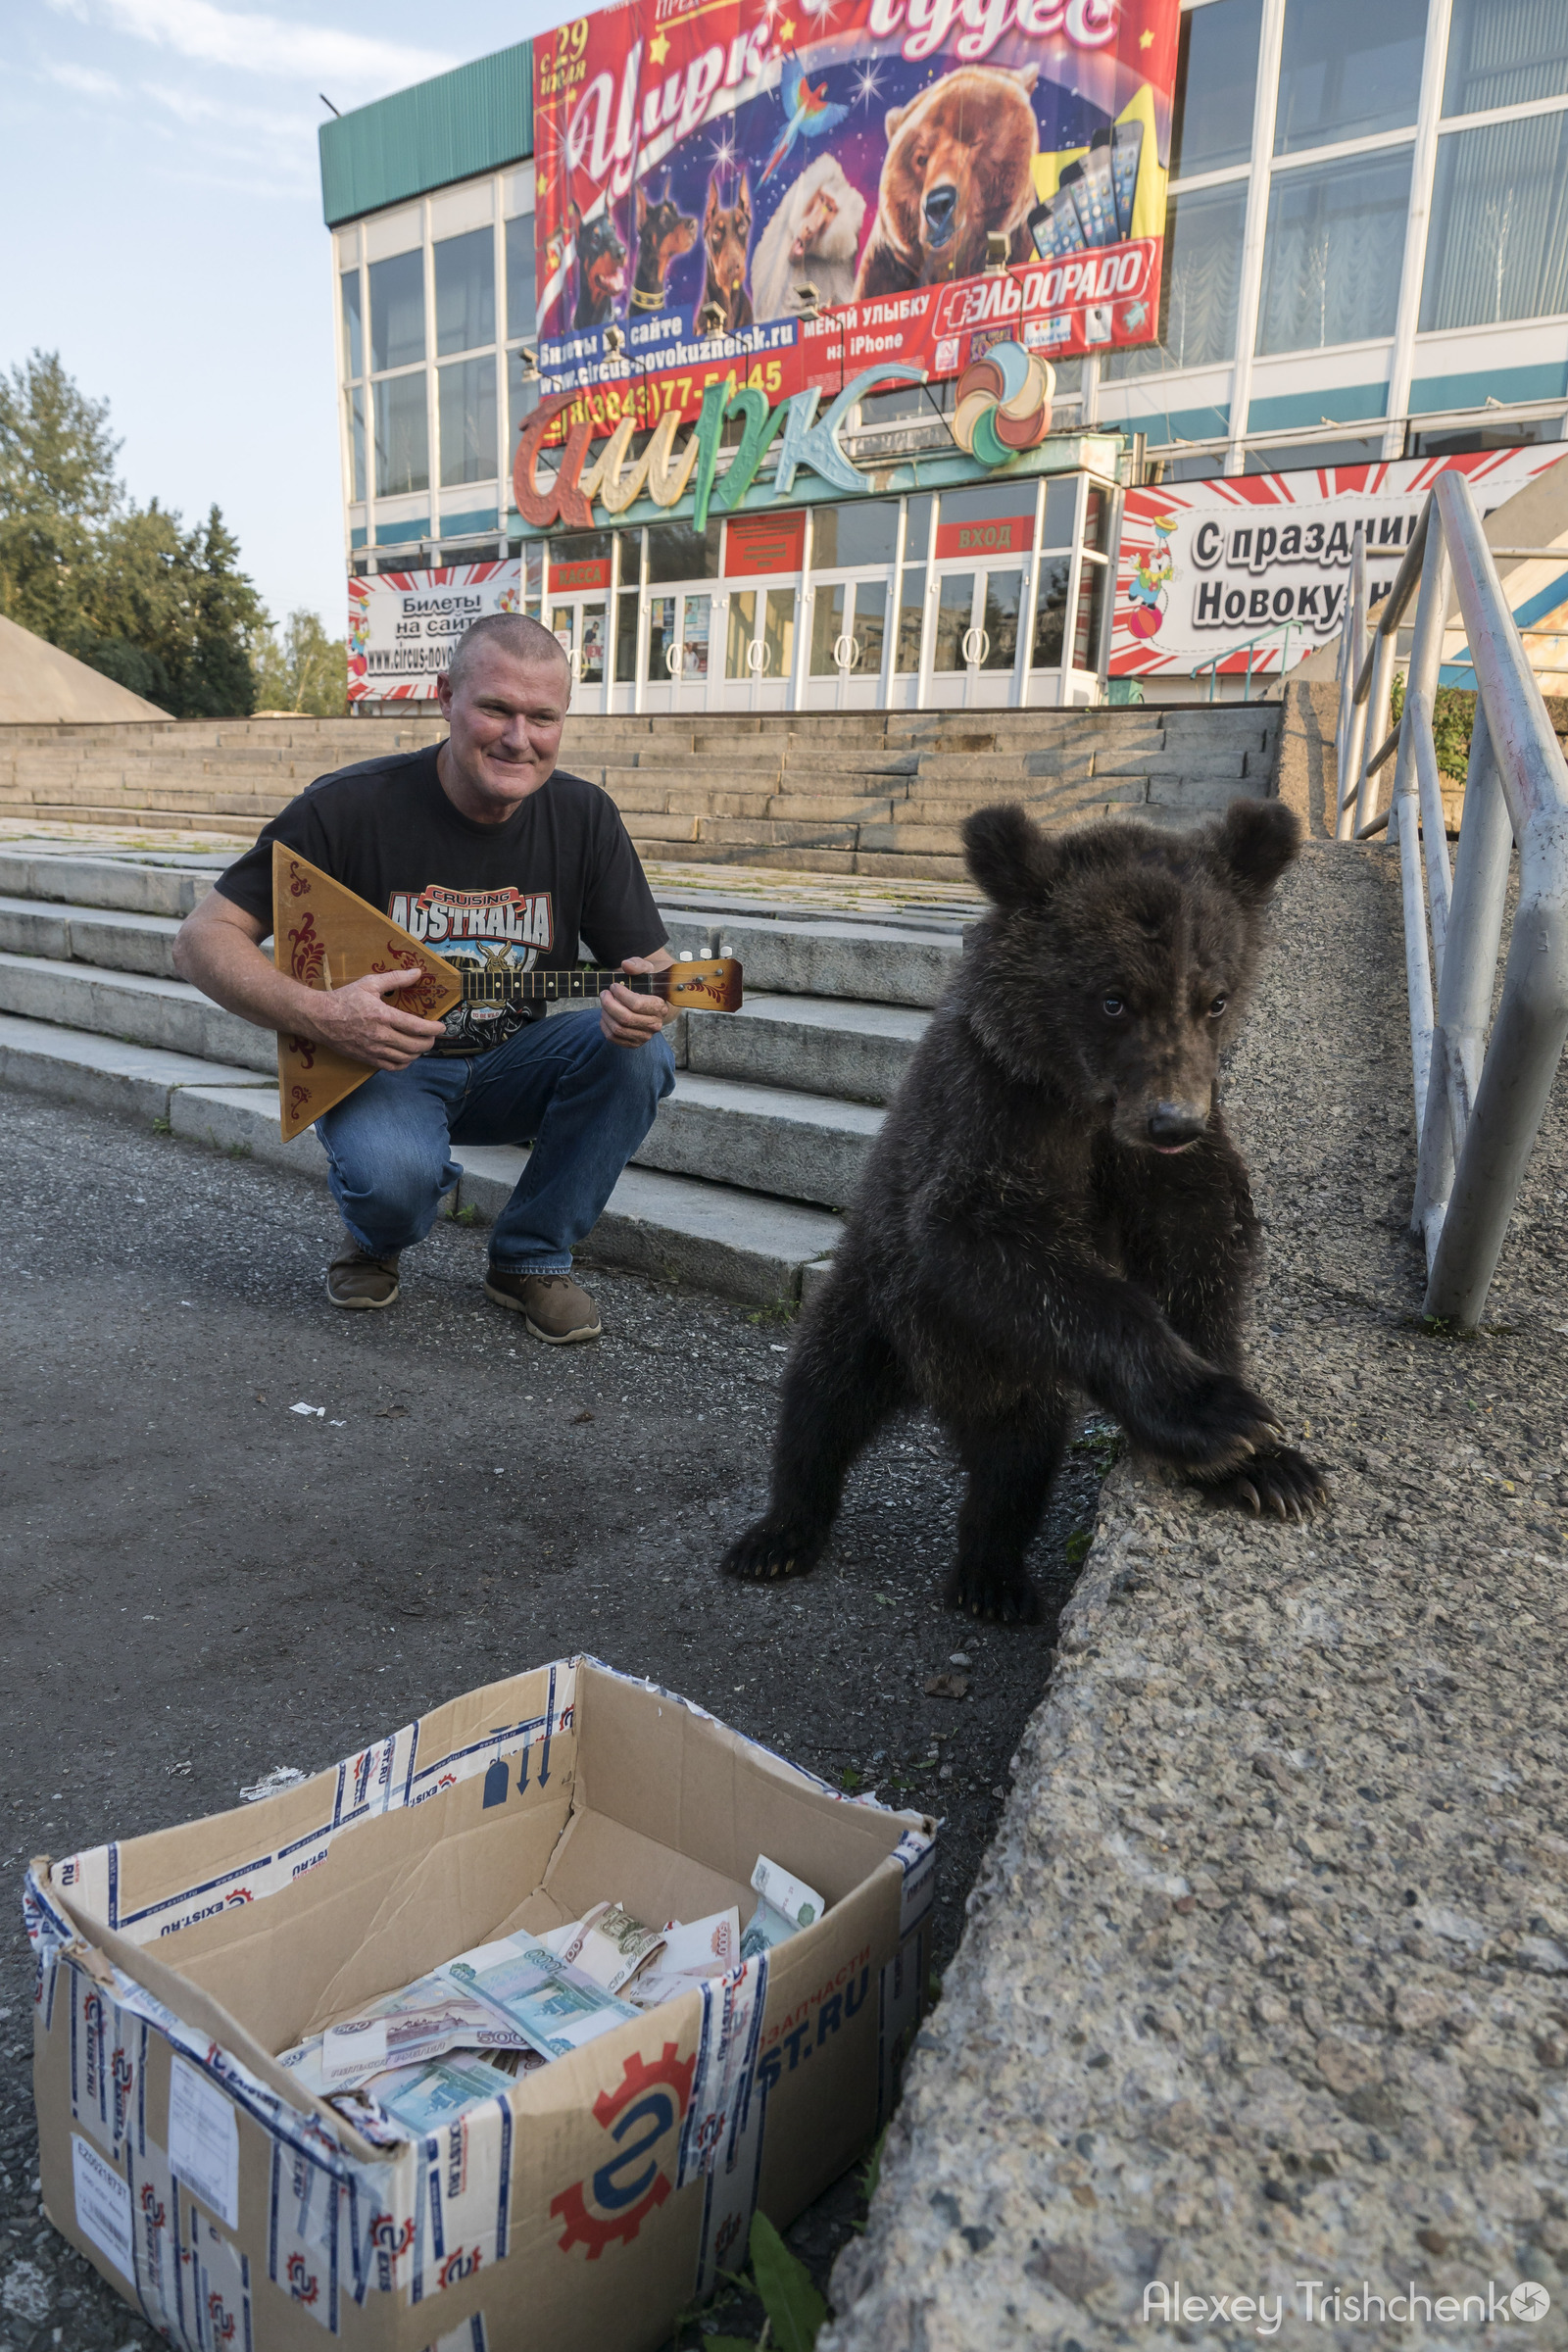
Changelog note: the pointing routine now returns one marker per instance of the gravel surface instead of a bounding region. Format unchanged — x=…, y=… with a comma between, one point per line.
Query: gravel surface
x=200, y=1585
x=1266, y=1987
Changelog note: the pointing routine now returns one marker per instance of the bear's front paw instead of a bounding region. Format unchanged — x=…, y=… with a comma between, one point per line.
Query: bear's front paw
x=999, y=1596
x=1227, y=1425
x=774, y=1548
x=1278, y=1480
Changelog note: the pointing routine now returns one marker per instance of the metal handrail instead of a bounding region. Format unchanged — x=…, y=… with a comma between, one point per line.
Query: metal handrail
x=1479, y=1102
x=1244, y=645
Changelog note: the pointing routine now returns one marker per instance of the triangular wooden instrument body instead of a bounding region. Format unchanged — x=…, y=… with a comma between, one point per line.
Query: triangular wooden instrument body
x=325, y=936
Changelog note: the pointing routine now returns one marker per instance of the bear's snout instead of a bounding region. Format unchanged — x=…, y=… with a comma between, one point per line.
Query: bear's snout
x=941, y=210
x=1173, y=1126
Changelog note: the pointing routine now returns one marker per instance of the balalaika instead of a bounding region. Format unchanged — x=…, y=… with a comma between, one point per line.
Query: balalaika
x=325, y=936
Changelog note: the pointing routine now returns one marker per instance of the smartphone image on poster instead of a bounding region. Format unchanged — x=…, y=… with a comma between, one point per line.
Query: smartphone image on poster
x=1069, y=211
x=1126, y=153
x=1094, y=195
x=1053, y=227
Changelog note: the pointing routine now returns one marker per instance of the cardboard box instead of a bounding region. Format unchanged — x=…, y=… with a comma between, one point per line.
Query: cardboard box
x=603, y=2193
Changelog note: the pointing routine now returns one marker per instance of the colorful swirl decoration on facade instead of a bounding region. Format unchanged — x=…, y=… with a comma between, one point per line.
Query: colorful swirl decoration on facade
x=1003, y=404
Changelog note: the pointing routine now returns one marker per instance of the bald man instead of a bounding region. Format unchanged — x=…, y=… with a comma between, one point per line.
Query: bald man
x=484, y=848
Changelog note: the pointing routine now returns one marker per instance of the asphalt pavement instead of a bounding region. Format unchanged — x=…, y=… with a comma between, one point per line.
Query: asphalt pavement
x=199, y=1584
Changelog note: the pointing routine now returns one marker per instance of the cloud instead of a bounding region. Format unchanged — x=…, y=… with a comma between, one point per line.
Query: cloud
x=260, y=44
x=194, y=111
x=84, y=80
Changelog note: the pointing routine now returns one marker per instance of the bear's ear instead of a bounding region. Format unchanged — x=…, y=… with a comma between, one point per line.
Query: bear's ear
x=1255, y=842
x=892, y=120
x=1008, y=854
x=1026, y=76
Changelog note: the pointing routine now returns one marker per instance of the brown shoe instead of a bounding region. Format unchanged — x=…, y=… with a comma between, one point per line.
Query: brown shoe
x=553, y=1306
x=355, y=1281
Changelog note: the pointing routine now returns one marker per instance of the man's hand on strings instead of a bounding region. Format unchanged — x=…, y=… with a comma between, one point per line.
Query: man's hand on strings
x=365, y=1021
x=628, y=1018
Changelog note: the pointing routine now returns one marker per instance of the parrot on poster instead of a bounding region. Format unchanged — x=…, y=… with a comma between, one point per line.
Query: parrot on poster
x=804, y=110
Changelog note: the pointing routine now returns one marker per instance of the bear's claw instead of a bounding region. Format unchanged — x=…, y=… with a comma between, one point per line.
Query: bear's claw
x=993, y=1596
x=765, y=1552
x=1278, y=1480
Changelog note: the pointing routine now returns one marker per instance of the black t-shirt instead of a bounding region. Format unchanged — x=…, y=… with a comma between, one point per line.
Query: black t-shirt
x=519, y=892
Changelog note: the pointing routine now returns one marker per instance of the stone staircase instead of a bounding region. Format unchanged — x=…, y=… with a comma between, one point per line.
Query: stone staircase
x=878, y=794
x=736, y=1189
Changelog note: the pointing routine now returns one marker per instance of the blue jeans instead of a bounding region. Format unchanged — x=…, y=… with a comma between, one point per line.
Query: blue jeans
x=584, y=1103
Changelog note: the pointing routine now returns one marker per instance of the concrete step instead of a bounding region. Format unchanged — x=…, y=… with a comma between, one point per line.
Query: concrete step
x=138, y=1010
x=766, y=1138
x=1062, y=804
x=856, y=1052
x=823, y=958
x=810, y=807
x=756, y=1250
x=121, y=942
x=134, y=887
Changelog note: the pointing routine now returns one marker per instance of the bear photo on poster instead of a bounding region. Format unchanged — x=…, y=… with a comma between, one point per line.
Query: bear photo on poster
x=959, y=172
x=1052, y=1208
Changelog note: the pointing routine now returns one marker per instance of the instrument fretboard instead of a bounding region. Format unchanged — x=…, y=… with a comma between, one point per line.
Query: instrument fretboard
x=509, y=986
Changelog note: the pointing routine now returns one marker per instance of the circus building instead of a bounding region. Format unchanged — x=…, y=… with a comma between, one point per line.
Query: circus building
x=873, y=355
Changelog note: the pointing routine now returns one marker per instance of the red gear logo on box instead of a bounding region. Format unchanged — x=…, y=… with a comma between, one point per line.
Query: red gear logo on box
x=616, y=2199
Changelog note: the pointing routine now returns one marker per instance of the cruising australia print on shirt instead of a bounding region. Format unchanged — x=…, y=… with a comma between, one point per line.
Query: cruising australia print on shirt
x=479, y=931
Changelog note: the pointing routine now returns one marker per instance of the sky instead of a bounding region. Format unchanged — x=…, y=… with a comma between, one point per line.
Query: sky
x=159, y=170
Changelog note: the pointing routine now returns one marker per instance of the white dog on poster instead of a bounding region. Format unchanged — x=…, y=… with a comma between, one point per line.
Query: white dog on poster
x=811, y=240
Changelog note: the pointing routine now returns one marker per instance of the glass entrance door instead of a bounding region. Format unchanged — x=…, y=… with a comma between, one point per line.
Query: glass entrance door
x=580, y=626
x=677, y=667
x=973, y=639
x=849, y=642
x=758, y=648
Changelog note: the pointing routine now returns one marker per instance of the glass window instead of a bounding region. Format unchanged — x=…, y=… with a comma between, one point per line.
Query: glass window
x=778, y=633
x=1199, y=284
x=467, y=408
x=464, y=292
x=1332, y=254
x=675, y=552
x=1207, y=467
x=911, y=612
x=522, y=301
x=1347, y=70
x=1086, y=621
x=397, y=311
x=742, y=629
x=626, y=634
x=997, y=501
x=353, y=323
x=1504, y=53
x=864, y=532
x=356, y=401
x=998, y=643
x=1499, y=246
x=870, y=627
x=402, y=436
x=695, y=622
x=954, y=612
x=1051, y=611
x=827, y=627
x=1300, y=456
x=1062, y=512
x=1217, y=82
x=1461, y=442
x=661, y=651
x=917, y=531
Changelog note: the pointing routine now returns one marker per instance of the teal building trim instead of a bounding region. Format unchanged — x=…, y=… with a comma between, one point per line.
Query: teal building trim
x=471, y=526
x=1432, y=393
x=1299, y=412
x=398, y=534
x=1164, y=427
x=476, y=118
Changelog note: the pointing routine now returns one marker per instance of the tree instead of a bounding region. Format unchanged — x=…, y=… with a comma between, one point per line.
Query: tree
x=166, y=611
x=306, y=671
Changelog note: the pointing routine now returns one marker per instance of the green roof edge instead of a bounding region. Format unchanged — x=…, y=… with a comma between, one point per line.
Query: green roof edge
x=478, y=118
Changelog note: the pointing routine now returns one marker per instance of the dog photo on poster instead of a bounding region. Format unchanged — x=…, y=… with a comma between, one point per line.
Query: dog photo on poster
x=784, y=190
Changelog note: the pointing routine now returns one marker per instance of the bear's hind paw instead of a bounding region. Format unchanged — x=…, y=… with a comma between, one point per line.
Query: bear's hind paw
x=997, y=1596
x=769, y=1550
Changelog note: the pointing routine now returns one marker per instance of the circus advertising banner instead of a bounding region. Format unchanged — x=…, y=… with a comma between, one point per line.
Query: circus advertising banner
x=1255, y=568
x=403, y=626
x=783, y=193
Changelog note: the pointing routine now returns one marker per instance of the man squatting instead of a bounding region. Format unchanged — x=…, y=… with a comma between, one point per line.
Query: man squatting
x=485, y=846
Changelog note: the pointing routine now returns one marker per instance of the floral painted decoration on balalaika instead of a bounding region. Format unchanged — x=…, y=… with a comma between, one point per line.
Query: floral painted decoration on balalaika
x=327, y=936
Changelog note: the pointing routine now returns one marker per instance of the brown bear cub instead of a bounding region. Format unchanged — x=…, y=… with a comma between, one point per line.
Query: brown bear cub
x=1052, y=1205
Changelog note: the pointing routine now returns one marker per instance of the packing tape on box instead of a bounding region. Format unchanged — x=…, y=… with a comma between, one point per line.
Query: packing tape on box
x=380, y=1778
